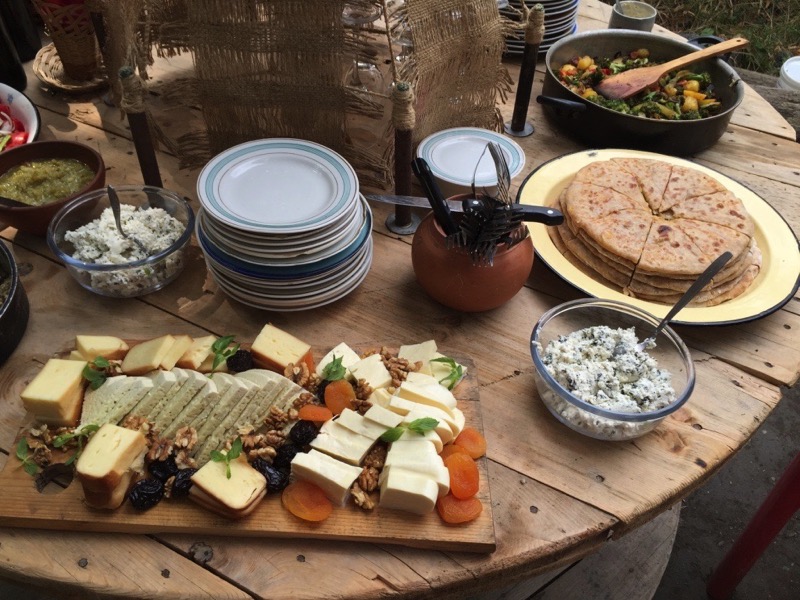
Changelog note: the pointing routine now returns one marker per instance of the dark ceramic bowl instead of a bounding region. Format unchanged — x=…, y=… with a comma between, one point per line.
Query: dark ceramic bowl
x=35, y=219
x=14, y=309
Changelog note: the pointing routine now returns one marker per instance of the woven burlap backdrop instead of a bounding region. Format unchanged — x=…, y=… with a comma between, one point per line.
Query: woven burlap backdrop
x=276, y=68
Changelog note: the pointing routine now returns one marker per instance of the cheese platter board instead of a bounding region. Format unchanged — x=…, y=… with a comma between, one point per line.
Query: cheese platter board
x=71, y=506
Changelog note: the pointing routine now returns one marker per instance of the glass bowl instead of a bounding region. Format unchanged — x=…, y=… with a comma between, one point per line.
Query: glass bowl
x=122, y=279
x=605, y=423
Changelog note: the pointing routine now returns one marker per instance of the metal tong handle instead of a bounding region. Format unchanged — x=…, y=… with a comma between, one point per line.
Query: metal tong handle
x=441, y=212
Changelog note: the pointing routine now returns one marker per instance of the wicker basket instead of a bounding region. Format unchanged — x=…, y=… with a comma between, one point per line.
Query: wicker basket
x=70, y=27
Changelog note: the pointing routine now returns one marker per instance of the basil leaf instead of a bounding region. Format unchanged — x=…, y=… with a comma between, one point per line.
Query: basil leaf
x=101, y=362
x=222, y=343
x=446, y=360
x=218, y=358
x=62, y=439
x=30, y=468
x=94, y=377
x=217, y=456
x=236, y=449
x=228, y=470
x=422, y=425
x=334, y=370
x=393, y=434
x=90, y=428
x=22, y=449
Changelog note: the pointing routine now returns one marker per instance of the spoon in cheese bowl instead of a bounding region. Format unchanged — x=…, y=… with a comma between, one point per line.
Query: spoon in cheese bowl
x=113, y=199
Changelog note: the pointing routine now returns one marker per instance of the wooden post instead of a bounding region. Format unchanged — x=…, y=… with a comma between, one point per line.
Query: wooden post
x=133, y=105
x=534, y=33
x=403, y=221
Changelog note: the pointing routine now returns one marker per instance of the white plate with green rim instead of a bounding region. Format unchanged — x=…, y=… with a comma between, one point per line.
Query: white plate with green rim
x=277, y=186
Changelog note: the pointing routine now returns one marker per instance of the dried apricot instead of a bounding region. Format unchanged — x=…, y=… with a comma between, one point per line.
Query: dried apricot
x=454, y=510
x=339, y=395
x=464, y=477
x=451, y=449
x=472, y=441
x=306, y=501
x=313, y=412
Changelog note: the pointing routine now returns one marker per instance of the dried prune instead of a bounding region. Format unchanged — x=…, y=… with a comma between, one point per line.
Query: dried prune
x=163, y=469
x=182, y=482
x=321, y=389
x=241, y=360
x=284, y=456
x=146, y=493
x=303, y=432
x=277, y=479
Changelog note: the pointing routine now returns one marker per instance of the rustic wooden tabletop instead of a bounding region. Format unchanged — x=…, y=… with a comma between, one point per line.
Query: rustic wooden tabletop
x=556, y=495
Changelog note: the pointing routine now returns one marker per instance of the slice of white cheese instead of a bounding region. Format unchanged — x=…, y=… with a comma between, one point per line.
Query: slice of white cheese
x=380, y=397
x=207, y=395
x=401, y=406
x=332, y=476
x=163, y=382
x=413, y=436
x=414, y=448
x=373, y=371
x=421, y=378
x=437, y=473
x=237, y=493
x=96, y=402
x=181, y=377
x=409, y=491
x=223, y=381
x=430, y=394
x=221, y=422
x=339, y=442
x=442, y=428
x=383, y=416
x=460, y=421
x=233, y=395
x=121, y=403
x=422, y=353
x=360, y=425
x=441, y=370
x=343, y=351
x=174, y=405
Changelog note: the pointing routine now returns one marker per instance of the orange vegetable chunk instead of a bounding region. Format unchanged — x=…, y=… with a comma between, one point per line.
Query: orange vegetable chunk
x=472, y=441
x=454, y=510
x=306, y=501
x=313, y=412
x=452, y=449
x=464, y=477
x=339, y=395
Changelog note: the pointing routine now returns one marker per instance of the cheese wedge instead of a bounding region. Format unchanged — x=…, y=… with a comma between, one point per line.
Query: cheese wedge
x=421, y=353
x=245, y=486
x=409, y=491
x=343, y=351
x=373, y=371
x=333, y=476
x=107, y=346
x=54, y=395
x=197, y=352
x=104, y=465
x=205, y=396
x=179, y=347
x=147, y=356
x=275, y=349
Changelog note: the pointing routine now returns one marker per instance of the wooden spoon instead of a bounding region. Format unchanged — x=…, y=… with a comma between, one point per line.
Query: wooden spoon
x=626, y=84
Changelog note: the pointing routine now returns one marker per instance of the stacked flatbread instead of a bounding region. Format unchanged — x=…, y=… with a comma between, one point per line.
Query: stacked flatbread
x=650, y=228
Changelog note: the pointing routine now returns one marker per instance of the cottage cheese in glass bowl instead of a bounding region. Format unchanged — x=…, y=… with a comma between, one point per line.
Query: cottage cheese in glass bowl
x=84, y=236
x=591, y=377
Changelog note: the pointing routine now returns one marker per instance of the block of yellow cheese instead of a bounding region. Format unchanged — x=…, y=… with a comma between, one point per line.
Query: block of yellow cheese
x=197, y=352
x=232, y=497
x=179, y=347
x=54, y=395
x=106, y=464
x=147, y=356
x=275, y=349
x=107, y=346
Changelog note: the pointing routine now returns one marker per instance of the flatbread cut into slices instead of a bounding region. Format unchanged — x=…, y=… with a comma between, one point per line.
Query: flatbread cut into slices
x=722, y=208
x=652, y=175
x=623, y=234
x=588, y=263
x=713, y=239
x=669, y=251
x=687, y=183
x=606, y=174
x=585, y=202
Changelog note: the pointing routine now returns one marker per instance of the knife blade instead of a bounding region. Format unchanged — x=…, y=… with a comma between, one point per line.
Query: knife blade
x=416, y=201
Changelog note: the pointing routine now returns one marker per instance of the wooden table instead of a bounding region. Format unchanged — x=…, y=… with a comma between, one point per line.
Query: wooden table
x=557, y=495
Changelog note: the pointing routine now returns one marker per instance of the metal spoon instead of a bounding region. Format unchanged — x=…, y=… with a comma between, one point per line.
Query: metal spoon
x=114, y=201
x=701, y=282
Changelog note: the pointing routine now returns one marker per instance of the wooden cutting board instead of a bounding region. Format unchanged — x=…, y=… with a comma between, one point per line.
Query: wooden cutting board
x=64, y=509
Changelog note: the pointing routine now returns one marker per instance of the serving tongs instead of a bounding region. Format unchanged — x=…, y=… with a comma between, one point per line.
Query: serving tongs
x=441, y=212
x=628, y=83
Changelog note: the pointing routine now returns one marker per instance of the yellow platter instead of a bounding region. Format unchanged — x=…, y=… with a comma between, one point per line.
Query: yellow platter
x=775, y=284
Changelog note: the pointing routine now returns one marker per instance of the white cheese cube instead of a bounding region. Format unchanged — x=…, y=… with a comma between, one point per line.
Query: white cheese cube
x=54, y=395
x=422, y=352
x=436, y=472
x=421, y=378
x=380, y=397
x=442, y=429
x=107, y=346
x=401, y=406
x=413, y=436
x=372, y=370
x=339, y=442
x=409, y=491
x=430, y=394
x=343, y=351
x=441, y=370
x=414, y=448
x=383, y=416
x=332, y=476
x=147, y=356
x=358, y=424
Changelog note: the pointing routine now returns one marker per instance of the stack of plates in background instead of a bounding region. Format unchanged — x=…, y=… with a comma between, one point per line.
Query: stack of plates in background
x=283, y=225
x=559, y=21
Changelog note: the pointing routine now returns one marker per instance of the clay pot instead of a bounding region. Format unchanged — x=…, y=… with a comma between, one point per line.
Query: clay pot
x=449, y=276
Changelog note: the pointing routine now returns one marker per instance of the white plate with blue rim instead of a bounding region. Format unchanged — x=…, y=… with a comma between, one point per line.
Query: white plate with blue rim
x=277, y=186
x=453, y=154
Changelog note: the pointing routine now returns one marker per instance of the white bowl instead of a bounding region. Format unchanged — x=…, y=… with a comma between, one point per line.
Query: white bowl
x=23, y=109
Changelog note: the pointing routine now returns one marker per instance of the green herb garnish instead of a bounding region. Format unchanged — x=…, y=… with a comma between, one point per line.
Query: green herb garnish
x=80, y=436
x=95, y=372
x=334, y=370
x=221, y=350
x=23, y=454
x=227, y=457
x=419, y=426
x=454, y=376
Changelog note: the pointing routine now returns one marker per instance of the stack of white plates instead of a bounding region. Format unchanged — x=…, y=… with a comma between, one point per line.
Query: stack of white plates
x=559, y=21
x=283, y=225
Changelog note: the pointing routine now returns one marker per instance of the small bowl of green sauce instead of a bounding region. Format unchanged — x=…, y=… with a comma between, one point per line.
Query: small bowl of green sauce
x=45, y=176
